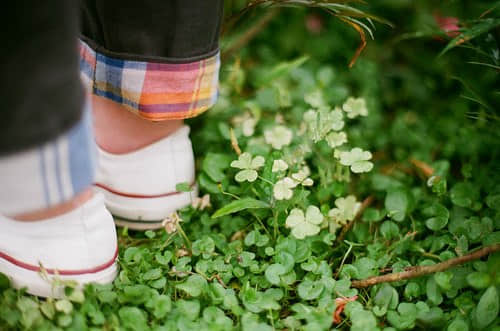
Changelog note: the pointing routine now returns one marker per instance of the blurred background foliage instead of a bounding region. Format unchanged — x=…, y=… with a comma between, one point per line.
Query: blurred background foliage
x=424, y=103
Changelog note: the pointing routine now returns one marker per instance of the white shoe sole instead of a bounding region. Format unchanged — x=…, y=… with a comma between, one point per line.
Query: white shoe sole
x=144, y=212
x=52, y=284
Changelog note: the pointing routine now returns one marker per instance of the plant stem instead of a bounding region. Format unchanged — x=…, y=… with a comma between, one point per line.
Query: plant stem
x=266, y=180
x=418, y=271
x=183, y=234
x=343, y=260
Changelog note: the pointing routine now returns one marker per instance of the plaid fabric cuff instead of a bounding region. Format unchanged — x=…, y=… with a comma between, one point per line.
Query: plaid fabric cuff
x=155, y=91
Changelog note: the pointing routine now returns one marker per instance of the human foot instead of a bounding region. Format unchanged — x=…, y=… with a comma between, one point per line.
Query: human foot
x=78, y=245
x=139, y=165
x=140, y=187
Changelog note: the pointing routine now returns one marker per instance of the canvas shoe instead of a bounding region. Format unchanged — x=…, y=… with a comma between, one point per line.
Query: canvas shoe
x=140, y=187
x=79, y=245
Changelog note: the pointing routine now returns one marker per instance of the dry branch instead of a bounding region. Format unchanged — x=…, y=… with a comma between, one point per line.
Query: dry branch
x=418, y=271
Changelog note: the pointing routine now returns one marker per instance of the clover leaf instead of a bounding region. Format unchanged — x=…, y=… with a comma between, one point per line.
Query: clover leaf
x=302, y=177
x=357, y=159
x=336, y=139
x=278, y=137
x=304, y=225
x=282, y=190
x=249, y=167
x=355, y=107
x=279, y=165
x=346, y=210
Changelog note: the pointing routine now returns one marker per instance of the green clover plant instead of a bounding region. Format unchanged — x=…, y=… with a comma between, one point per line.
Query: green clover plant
x=304, y=225
x=249, y=166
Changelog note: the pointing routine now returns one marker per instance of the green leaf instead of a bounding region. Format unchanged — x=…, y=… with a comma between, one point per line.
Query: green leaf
x=215, y=164
x=309, y=290
x=273, y=273
x=469, y=34
x=487, y=308
x=64, y=306
x=363, y=320
x=464, y=194
x=195, y=285
x=280, y=69
x=438, y=214
x=405, y=317
x=443, y=279
x=493, y=201
x=458, y=324
x=396, y=203
x=132, y=318
x=4, y=282
x=433, y=292
x=479, y=280
x=152, y=274
x=239, y=205
x=366, y=267
x=183, y=187
x=389, y=230
x=47, y=308
x=162, y=304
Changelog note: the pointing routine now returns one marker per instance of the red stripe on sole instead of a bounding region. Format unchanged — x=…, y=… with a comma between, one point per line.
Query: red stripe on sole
x=138, y=196
x=60, y=272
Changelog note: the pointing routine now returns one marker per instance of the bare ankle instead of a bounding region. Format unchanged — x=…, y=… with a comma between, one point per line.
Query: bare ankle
x=56, y=210
x=120, y=131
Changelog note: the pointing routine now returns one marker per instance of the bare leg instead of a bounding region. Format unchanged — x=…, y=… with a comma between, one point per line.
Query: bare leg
x=119, y=131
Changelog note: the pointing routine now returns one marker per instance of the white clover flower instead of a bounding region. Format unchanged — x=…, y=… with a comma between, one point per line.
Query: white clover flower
x=357, y=159
x=336, y=139
x=355, y=107
x=302, y=177
x=249, y=167
x=346, y=210
x=304, y=225
x=279, y=136
x=279, y=165
x=283, y=189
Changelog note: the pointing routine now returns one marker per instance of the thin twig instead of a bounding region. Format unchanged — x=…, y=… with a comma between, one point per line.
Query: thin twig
x=251, y=33
x=234, y=142
x=426, y=169
x=362, y=37
x=365, y=204
x=418, y=271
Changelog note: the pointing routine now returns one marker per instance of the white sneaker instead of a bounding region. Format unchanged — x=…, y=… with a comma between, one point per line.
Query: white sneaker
x=79, y=245
x=140, y=187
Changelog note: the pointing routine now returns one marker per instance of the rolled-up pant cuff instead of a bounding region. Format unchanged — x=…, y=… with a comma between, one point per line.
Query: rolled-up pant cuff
x=154, y=90
x=51, y=173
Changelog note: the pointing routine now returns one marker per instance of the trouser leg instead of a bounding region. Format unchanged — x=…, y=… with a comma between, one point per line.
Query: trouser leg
x=158, y=58
x=45, y=135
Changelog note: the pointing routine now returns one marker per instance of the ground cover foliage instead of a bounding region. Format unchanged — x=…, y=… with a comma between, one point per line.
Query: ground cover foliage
x=314, y=176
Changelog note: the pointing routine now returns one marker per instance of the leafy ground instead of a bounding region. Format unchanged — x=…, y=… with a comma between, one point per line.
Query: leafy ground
x=314, y=177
